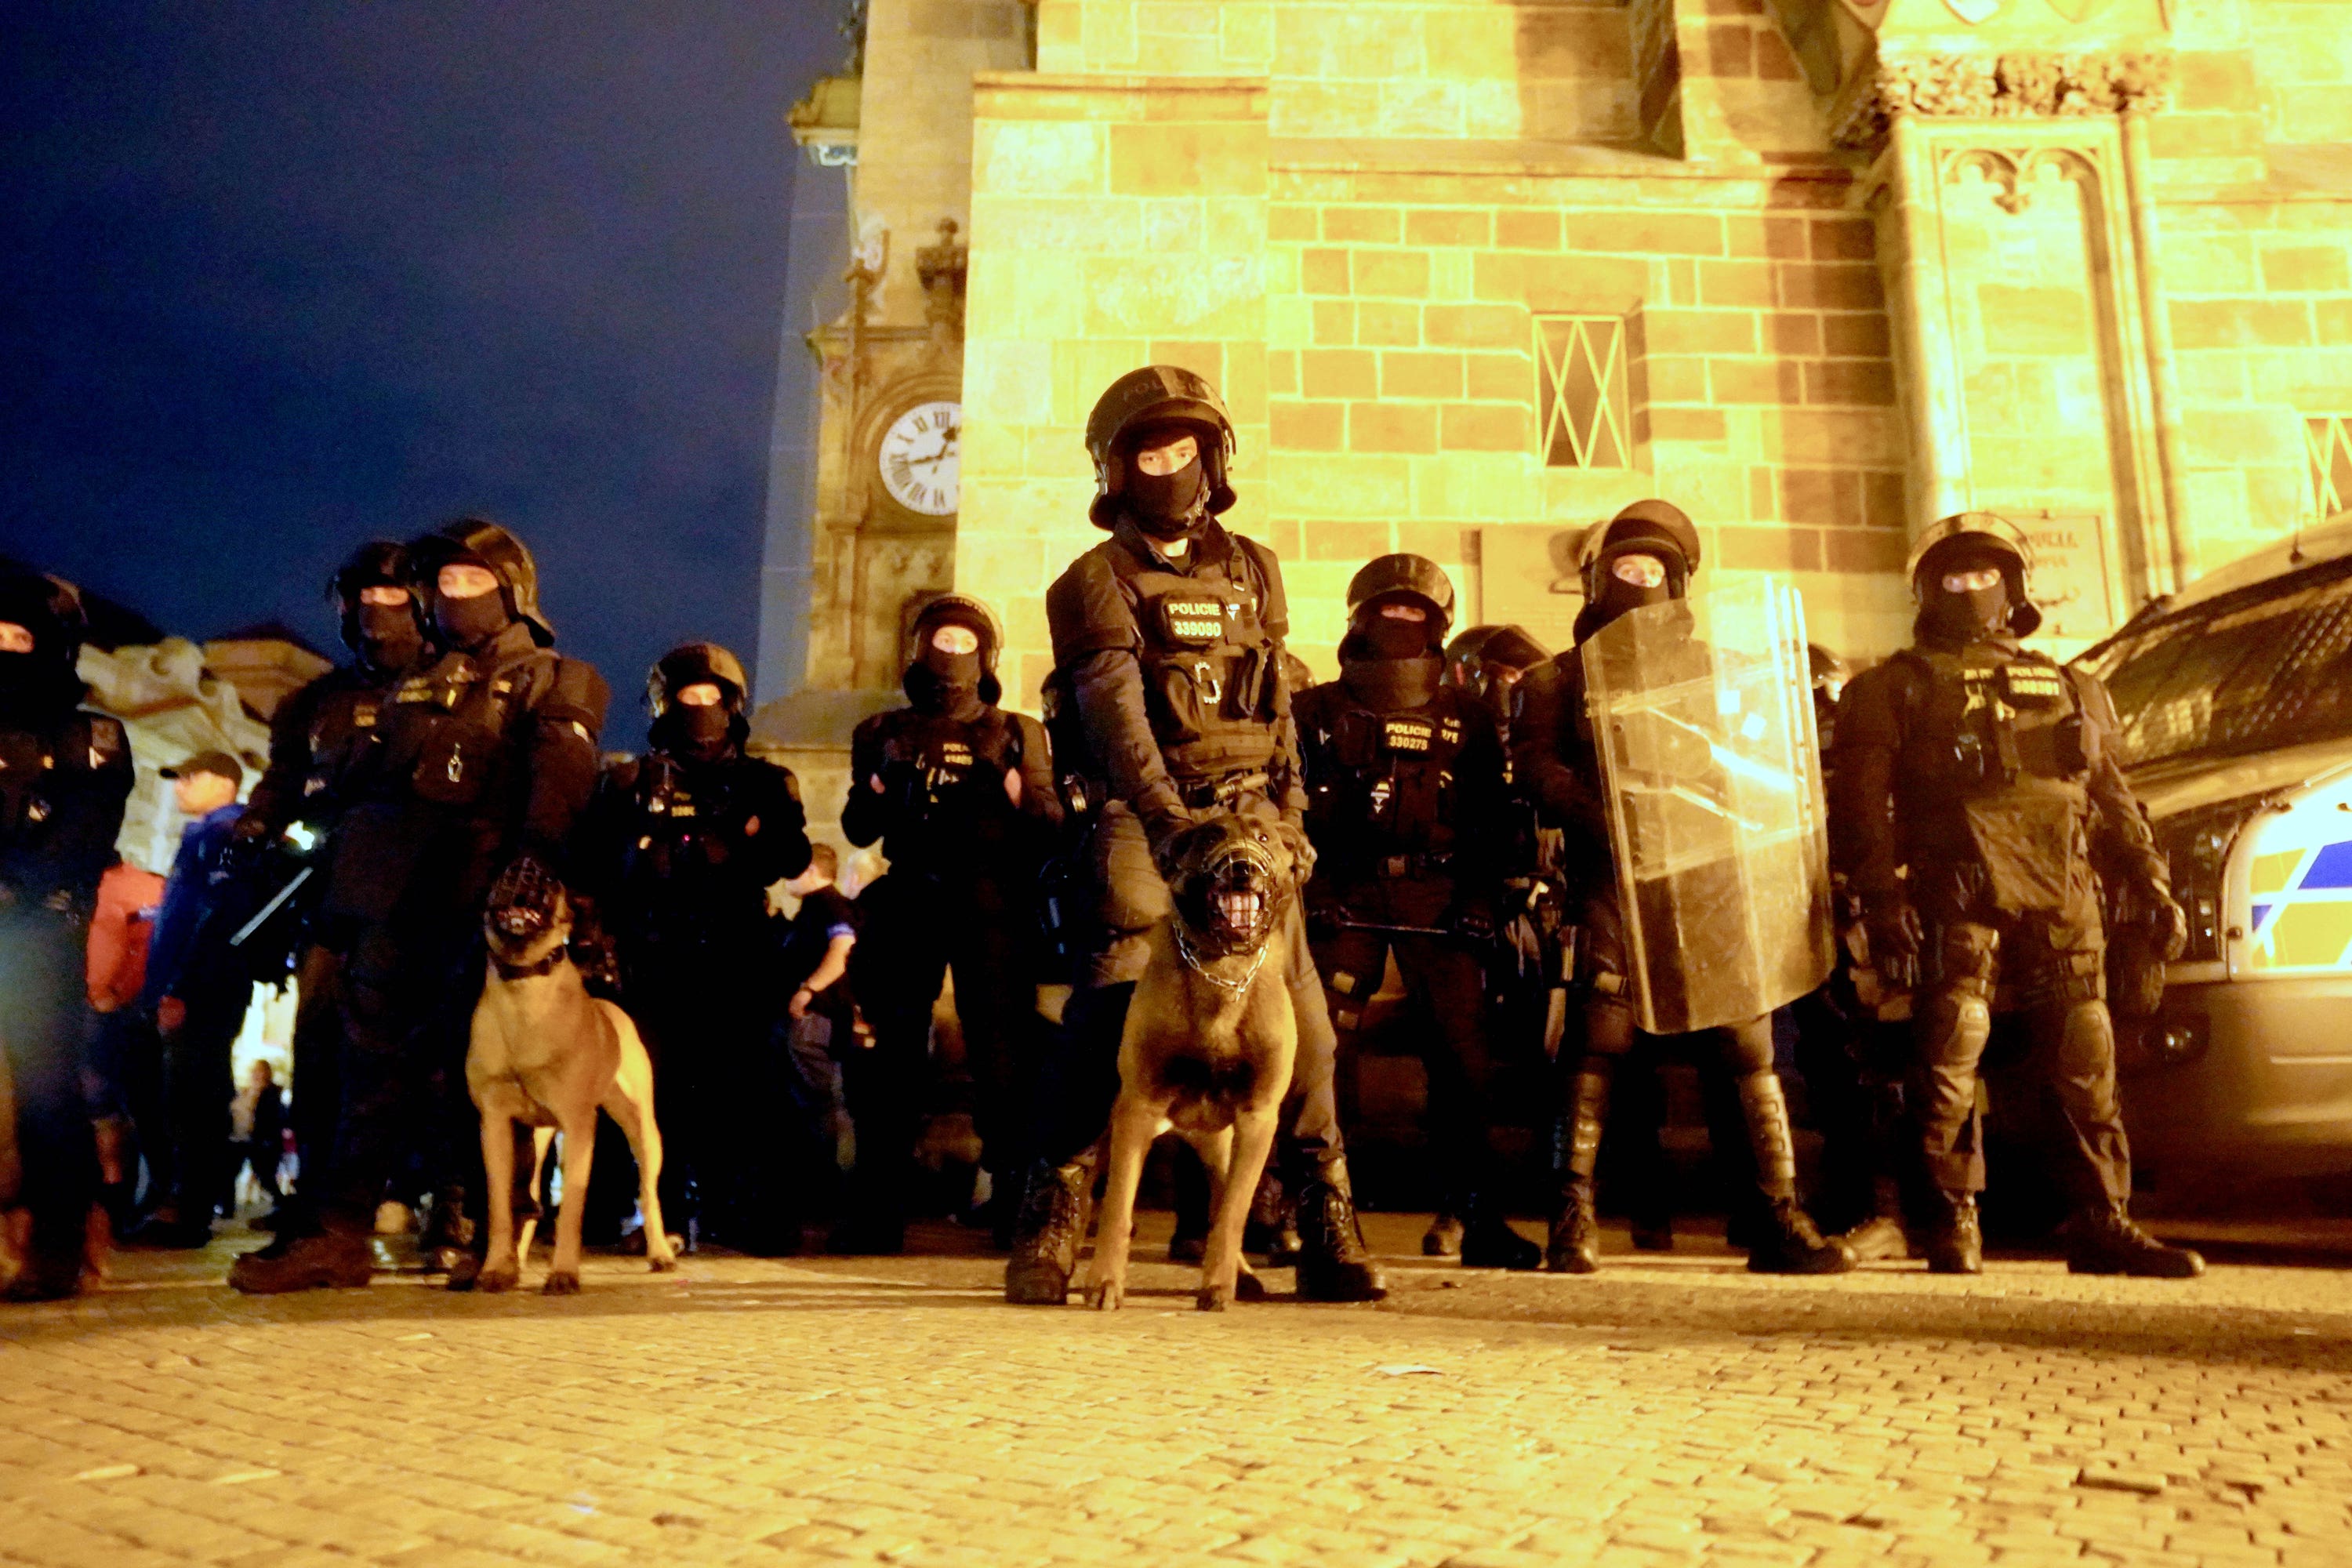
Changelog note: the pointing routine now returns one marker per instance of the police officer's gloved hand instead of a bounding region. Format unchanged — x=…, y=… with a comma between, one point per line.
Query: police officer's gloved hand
x=2168, y=921
x=1895, y=939
x=1162, y=828
x=250, y=829
x=1473, y=921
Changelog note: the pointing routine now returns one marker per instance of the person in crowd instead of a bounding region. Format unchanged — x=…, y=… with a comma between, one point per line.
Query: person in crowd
x=320, y=739
x=1406, y=804
x=485, y=757
x=256, y=1122
x=1980, y=803
x=124, y=1074
x=1643, y=557
x=960, y=795
x=197, y=991
x=64, y=774
x=676, y=852
x=823, y=1030
x=1168, y=642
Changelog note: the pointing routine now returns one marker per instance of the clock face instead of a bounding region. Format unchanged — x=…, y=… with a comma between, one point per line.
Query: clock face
x=920, y=461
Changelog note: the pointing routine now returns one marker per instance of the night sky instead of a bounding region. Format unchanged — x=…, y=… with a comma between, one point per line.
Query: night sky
x=284, y=275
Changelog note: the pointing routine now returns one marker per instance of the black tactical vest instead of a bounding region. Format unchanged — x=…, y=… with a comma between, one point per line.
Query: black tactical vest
x=1212, y=672
x=1382, y=783
x=1995, y=769
x=445, y=732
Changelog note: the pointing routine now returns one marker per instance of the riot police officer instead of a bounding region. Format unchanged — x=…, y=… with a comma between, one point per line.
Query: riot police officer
x=1405, y=804
x=961, y=794
x=1981, y=791
x=65, y=773
x=1643, y=557
x=485, y=757
x=1488, y=662
x=318, y=738
x=677, y=853
x=1168, y=639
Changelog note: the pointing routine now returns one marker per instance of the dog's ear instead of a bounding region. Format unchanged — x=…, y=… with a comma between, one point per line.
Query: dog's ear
x=1300, y=849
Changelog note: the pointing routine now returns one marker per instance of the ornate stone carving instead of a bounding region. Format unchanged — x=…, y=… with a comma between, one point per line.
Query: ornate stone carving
x=2012, y=171
x=941, y=270
x=1984, y=86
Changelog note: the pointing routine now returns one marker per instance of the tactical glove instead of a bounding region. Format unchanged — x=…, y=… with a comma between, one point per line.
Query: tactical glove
x=1896, y=939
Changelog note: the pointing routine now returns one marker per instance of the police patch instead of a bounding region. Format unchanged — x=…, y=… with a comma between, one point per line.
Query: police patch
x=1407, y=734
x=1197, y=622
x=2031, y=685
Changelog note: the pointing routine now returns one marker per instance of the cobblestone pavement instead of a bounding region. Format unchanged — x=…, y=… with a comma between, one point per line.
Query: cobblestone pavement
x=1668, y=1411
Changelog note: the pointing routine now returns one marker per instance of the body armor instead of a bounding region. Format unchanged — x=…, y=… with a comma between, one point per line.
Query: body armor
x=942, y=802
x=1211, y=676
x=56, y=782
x=1381, y=786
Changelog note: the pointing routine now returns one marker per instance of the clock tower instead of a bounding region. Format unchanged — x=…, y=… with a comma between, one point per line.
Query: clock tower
x=867, y=453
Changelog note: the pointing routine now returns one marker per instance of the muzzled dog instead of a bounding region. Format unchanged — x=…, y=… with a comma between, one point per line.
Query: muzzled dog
x=1210, y=1041
x=548, y=1056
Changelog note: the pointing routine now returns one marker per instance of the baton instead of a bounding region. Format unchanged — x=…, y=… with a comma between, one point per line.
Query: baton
x=1396, y=931
x=271, y=908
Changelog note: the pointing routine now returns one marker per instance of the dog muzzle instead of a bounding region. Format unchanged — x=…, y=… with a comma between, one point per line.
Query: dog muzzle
x=1232, y=904
x=524, y=899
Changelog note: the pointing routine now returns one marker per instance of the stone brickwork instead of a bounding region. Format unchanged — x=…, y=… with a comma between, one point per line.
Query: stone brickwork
x=2105, y=291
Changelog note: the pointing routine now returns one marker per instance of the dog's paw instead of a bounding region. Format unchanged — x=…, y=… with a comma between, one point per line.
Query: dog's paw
x=1214, y=1298
x=1106, y=1296
x=562, y=1282
x=1249, y=1288
x=663, y=1263
x=495, y=1281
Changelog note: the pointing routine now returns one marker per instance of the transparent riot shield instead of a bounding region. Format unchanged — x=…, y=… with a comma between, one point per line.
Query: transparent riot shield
x=1711, y=776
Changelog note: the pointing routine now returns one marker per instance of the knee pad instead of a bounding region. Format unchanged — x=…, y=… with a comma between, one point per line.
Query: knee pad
x=1955, y=1021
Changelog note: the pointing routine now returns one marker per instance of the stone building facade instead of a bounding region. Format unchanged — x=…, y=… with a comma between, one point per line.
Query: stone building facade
x=1474, y=273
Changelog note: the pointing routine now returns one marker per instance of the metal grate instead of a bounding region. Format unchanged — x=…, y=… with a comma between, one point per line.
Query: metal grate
x=2327, y=438
x=1581, y=389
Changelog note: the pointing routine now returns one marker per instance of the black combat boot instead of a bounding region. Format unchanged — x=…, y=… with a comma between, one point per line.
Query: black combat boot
x=2103, y=1240
x=1786, y=1241
x=1045, y=1238
x=1443, y=1236
x=1333, y=1263
x=1954, y=1242
x=340, y=1256
x=1574, y=1245
x=1879, y=1235
x=447, y=1242
x=1489, y=1242
x=1273, y=1228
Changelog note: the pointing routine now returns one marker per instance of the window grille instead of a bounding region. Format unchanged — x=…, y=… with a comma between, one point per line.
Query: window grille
x=2327, y=438
x=1580, y=390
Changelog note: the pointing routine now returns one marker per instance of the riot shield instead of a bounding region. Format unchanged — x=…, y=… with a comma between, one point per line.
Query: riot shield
x=1711, y=773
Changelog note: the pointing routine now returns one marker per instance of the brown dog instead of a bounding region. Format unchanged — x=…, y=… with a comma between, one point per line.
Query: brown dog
x=548, y=1056
x=1210, y=1040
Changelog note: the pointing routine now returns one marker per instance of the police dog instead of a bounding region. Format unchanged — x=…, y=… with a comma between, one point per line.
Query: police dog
x=547, y=1055
x=1210, y=1041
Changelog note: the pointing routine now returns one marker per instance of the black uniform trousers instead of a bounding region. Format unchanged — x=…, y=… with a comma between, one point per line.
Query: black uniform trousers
x=1445, y=976
x=41, y=1029
x=706, y=1010
x=317, y=1086
x=915, y=930
x=2056, y=970
x=1080, y=1079
x=197, y=1087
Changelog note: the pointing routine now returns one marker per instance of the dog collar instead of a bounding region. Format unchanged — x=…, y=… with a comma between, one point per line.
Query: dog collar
x=1193, y=961
x=527, y=971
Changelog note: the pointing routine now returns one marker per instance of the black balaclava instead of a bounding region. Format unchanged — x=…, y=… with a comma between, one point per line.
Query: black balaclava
x=1388, y=664
x=1969, y=617
x=470, y=624
x=1617, y=595
x=39, y=687
x=1168, y=506
x=385, y=636
x=946, y=683
x=704, y=733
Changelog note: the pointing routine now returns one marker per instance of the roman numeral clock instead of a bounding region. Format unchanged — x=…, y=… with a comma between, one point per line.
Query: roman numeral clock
x=920, y=461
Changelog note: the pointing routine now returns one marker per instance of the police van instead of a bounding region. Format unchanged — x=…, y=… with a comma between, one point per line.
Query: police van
x=2236, y=701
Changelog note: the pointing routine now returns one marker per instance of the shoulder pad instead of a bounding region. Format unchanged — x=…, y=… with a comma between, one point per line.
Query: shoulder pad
x=1035, y=743
x=621, y=772
x=575, y=691
x=1087, y=610
x=1260, y=558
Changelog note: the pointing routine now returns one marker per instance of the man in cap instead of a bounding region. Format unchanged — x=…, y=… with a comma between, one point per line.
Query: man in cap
x=1980, y=802
x=198, y=988
x=1168, y=643
x=319, y=740
x=1406, y=806
x=1643, y=557
x=485, y=757
x=677, y=852
x=960, y=793
x=65, y=773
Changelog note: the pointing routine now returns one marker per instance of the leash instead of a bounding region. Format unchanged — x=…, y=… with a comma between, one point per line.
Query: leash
x=1184, y=951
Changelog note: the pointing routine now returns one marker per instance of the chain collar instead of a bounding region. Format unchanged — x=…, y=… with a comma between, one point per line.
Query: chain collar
x=1191, y=959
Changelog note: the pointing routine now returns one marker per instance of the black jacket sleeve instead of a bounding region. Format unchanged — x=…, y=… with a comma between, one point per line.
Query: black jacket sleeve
x=2122, y=842
x=1544, y=748
x=774, y=826
x=277, y=795
x=863, y=813
x=560, y=744
x=80, y=840
x=1869, y=732
x=1041, y=800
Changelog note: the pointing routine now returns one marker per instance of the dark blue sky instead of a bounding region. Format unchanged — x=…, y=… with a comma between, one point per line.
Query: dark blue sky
x=284, y=275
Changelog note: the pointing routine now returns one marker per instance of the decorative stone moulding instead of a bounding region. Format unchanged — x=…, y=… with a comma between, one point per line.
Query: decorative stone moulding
x=1988, y=86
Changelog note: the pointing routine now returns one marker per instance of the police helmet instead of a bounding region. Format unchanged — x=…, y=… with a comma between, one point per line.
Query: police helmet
x=1156, y=395
x=1473, y=659
x=378, y=563
x=690, y=664
x=478, y=541
x=1982, y=535
x=1828, y=671
x=963, y=610
x=48, y=607
x=1414, y=577
x=1647, y=528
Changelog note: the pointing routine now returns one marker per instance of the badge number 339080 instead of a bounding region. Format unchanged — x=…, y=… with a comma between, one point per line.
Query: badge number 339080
x=919, y=458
